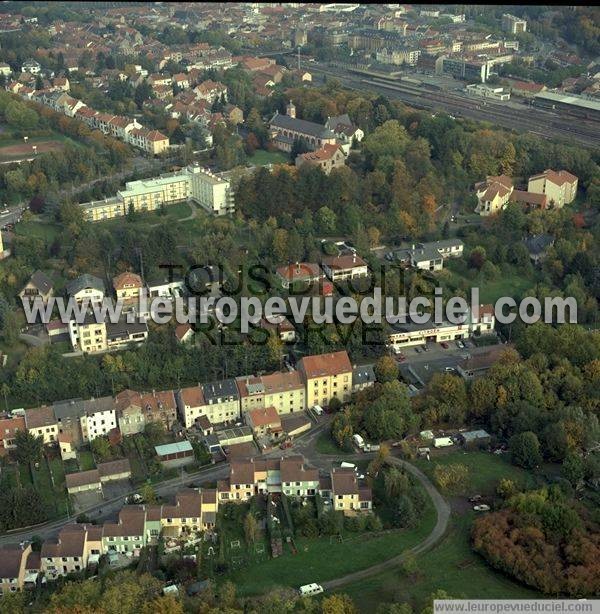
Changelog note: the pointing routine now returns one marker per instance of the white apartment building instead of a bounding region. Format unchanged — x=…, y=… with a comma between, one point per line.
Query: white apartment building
x=210, y=191
x=513, y=24
x=99, y=418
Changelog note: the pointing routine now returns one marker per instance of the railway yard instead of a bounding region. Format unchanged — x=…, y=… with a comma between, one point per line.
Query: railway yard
x=513, y=116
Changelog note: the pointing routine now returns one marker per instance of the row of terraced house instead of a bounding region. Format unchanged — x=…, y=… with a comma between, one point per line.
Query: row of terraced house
x=79, y=546
x=73, y=422
x=126, y=129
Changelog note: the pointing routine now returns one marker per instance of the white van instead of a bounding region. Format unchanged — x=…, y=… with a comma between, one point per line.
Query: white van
x=346, y=465
x=318, y=410
x=308, y=590
x=359, y=441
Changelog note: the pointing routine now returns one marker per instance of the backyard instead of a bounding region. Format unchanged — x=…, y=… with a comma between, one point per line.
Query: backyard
x=318, y=559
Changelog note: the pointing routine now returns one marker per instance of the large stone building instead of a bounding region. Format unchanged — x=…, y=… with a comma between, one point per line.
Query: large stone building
x=287, y=129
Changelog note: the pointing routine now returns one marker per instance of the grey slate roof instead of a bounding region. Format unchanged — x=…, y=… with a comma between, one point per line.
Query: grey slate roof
x=71, y=408
x=538, y=244
x=226, y=388
x=85, y=281
x=363, y=375
x=91, y=406
x=285, y=122
x=41, y=281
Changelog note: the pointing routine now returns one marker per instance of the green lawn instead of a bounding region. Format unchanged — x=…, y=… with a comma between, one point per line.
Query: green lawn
x=451, y=566
x=47, y=231
x=326, y=445
x=143, y=220
x=262, y=158
x=323, y=558
x=485, y=470
x=86, y=460
x=53, y=495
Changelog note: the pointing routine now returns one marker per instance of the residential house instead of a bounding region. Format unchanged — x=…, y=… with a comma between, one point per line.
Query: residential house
x=99, y=418
x=252, y=392
x=39, y=284
x=211, y=91
x=160, y=407
x=538, y=246
x=71, y=550
x=31, y=66
x=284, y=391
x=362, y=377
x=327, y=376
x=301, y=273
x=193, y=511
x=129, y=412
x=347, y=494
x=87, y=287
x=297, y=478
x=280, y=326
x=68, y=417
x=151, y=141
x=13, y=563
x=222, y=401
x=560, y=187
x=181, y=80
x=128, y=286
x=348, y=266
x=344, y=129
x=184, y=333
x=264, y=421
x=41, y=422
x=191, y=405
x=233, y=114
x=128, y=534
x=326, y=158
x=493, y=194
x=9, y=427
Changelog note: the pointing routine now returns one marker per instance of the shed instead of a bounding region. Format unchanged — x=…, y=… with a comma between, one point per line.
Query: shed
x=175, y=454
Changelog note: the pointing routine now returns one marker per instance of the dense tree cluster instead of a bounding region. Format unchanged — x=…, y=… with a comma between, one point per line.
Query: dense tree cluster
x=541, y=540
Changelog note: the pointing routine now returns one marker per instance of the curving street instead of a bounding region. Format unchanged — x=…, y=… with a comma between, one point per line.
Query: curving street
x=305, y=445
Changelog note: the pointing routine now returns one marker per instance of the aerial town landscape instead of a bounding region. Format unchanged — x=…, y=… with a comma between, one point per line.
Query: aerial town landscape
x=166, y=165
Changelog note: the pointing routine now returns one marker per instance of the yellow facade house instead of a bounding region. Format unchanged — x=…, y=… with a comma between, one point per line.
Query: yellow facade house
x=327, y=376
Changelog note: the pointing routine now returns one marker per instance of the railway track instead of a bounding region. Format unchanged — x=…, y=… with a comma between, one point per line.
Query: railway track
x=542, y=123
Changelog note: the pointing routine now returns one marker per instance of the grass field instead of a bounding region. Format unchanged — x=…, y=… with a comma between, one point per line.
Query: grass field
x=46, y=231
x=326, y=445
x=451, y=566
x=485, y=470
x=170, y=214
x=86, y=460
x=262, y=158
x=325, y=558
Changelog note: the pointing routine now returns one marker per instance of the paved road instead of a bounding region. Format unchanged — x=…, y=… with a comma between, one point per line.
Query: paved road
x=306, y=445
x=443, y=515
x=108, y=509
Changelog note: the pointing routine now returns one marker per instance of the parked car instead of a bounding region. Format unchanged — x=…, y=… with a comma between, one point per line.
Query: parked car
x=425, y=348
x=481, y=508
x=418, y=350
x=400, y=357
x=460, y=344
x=444, y=345
x=449, y=369
x=475, y=498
